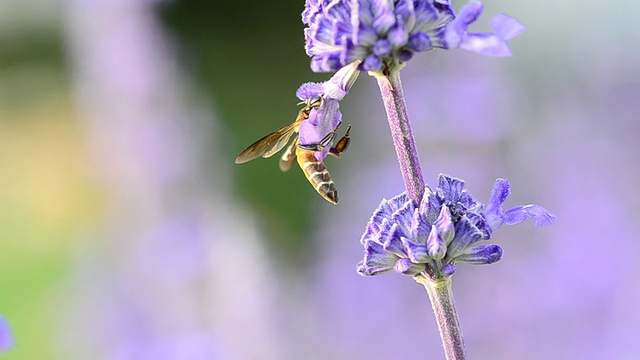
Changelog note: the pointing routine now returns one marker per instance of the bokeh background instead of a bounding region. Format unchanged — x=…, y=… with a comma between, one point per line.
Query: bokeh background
x=126, y=231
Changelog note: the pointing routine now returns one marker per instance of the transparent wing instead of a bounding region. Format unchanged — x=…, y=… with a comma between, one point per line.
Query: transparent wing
x=268, y=144
x=289, y=156
x=284, y=139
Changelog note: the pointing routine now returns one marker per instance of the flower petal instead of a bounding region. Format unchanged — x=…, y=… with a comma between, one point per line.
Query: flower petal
x=338, y=86
x=518, y=214
x=493, y=211
x=444, y=225
x=405, y=10
x=376, y=260
x=492, y=44
x=436, y=245
x=507, y=27
x=406, y=267
x=384, y=18
x=425, y=202
x=479, y=222
x=458, y=27
x=382, y=47
x=309, y=90
x=322, y=122
x=499, y=193
x=404, y=216
x=466, y=235
x=448, y=269
x=449, y=188
x=417, y=253
x=485, y=44
x=398, y=35
x=371, y=63
x=419, y=230
x=419, y=42
x=392, y=241
x=398, y=201
x=480, y=255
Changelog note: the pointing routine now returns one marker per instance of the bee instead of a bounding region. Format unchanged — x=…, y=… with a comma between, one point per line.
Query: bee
x=313, y=169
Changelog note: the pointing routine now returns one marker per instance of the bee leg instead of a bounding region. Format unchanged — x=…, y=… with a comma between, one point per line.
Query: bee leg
x=342, y=144
x=323, y=143
x=312, y=147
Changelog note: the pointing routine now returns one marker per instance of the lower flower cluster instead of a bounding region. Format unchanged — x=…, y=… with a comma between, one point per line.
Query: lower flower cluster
x=445, y=229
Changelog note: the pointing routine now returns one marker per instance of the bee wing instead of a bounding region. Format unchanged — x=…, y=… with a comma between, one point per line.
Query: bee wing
x=282, y=141
x=267, y=145
x=289, y=156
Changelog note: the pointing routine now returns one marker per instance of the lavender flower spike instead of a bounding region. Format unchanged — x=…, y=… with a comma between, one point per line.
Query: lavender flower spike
x=384, y=31
x=428, y=240
x=324, y=119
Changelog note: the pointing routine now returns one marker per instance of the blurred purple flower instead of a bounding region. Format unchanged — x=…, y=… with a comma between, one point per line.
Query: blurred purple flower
x=324, y=119
x=6, y=338
x=379, y=31
x=443, y=230
x=492, y=44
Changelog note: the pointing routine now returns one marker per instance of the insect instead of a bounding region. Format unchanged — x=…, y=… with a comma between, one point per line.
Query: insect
x=313, y=169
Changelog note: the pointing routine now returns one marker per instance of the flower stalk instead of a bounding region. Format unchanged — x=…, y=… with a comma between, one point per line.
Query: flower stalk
x=444, y=309
x=439, y=290
x=396, y=108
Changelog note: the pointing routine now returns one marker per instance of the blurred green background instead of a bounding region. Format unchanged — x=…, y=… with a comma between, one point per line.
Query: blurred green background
x=46, y=194
x=247, y=58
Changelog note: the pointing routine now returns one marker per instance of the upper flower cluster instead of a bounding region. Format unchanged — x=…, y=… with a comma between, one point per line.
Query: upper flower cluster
x=444, y=229
x=386, y=31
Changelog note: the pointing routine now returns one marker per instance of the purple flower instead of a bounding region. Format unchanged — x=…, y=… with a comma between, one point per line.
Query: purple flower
x=492, y=44
x=430, y=239
x=324, y=119
x=383, y=31
x=6, y=339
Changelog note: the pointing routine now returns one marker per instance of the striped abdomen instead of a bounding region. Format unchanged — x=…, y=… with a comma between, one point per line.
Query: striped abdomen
x=318, y=175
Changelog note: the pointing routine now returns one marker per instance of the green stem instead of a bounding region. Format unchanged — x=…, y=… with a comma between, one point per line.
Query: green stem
x=445, y=311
